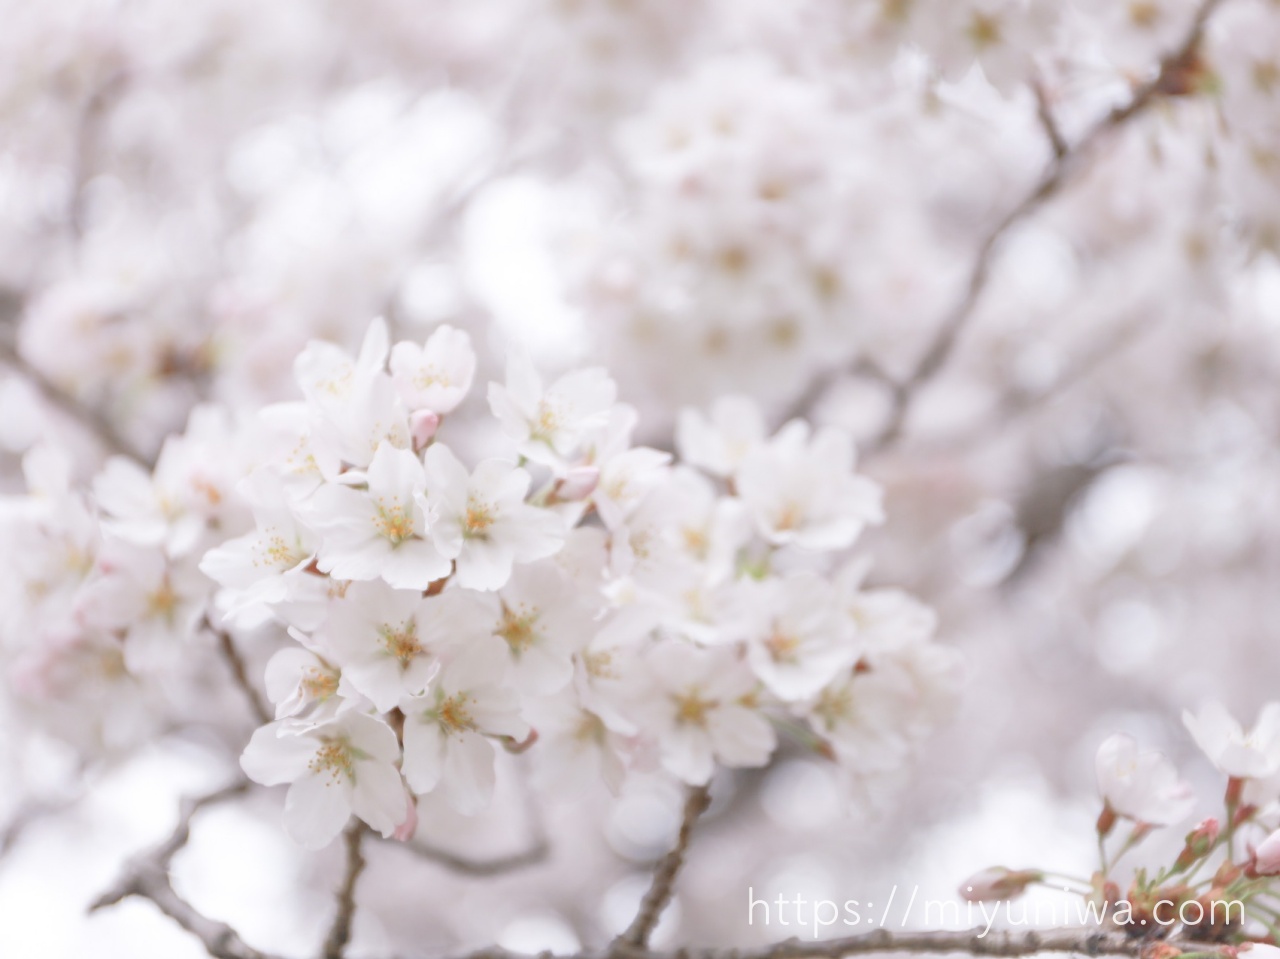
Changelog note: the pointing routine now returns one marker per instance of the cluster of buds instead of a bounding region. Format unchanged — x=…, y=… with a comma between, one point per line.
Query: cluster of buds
x=1220, y=892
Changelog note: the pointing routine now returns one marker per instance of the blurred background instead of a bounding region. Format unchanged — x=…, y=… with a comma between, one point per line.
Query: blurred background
x=1025, y=251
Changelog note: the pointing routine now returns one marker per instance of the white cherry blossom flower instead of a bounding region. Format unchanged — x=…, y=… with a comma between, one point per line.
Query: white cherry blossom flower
x=802, y=490
x=263, y=567
x=172, y=505
x=447, y=732
x=719, y=443
x=352, y=402
x=437, y=375
x=799, y=641
x=576, y=747
x=544, y=622
x=343, y=766
x=1251, y=755
x=1141, y=785
x=626, y=473
x=155, y=602
x=703, y=710
x=547, y=425
x=300, y=682
x=378, y=533
x=385, y=640
x=481, y=520
x=389, y=642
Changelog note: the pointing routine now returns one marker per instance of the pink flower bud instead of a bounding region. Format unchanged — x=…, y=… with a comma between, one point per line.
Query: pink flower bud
x=579, y=483
x=422, y=427
x=404, y=832
x=998, y=883
x=1266, y=858
x=1199, y=842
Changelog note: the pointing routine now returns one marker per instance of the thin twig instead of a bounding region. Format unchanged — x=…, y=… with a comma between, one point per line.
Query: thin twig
x=1049, y=123
x=227, y=647
x=335, y=943
x=497, y=865
x=147, y=877
x=664, y=877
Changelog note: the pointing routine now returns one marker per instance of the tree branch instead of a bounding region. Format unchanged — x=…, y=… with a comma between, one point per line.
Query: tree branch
x=335, y=944
x=147, y=877
x=1084, y=941
x=497, y=865
x=91, y=420
x=1177, y=76
x=227, y=648
x=664, y=877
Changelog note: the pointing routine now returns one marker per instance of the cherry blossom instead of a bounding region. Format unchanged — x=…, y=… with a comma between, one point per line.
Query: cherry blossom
x=447, y=733
x=1142, y=786
x=548, y=424
x=1247, y=755
x=380, y=531
x=437, y=375
x=481, y=520
x=335, y=768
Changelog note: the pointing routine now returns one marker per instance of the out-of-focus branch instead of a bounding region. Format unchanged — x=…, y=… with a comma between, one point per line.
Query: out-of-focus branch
x=494, y=866
x=227, y=649
x=93, y=421
x=148, y=878
x=93, y=116
x=335, y=944
x=664, y=877
x=1176, y=76
x=1048, y=122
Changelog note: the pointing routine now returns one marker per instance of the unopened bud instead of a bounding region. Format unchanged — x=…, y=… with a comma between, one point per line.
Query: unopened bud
x=998, y=883
x=1106, y=820
x=422, y=427
x=1199, y=841
x=579, y=483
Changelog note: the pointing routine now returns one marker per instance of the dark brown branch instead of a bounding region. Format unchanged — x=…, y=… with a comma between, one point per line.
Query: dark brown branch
x=335, y=943
x=664, y=877
x=1177, y=75
x=1083, y=941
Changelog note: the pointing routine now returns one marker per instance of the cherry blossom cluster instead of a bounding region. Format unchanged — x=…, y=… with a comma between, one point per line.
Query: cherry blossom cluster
x=590, y=601
x=104, y=603
x=737, y=258
x=1223, y=883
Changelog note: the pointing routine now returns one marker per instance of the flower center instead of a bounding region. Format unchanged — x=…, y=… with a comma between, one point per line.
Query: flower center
x=333, y=759
x=692, y=709
x=275, y=551
x=834, y=705
x=790, y=516
x=453, y=715
x=517, y=628
x=480, y=516
x=401, y=642
x=547, y=420
x=317, y=684
x=782, y=646
x=394, y=522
